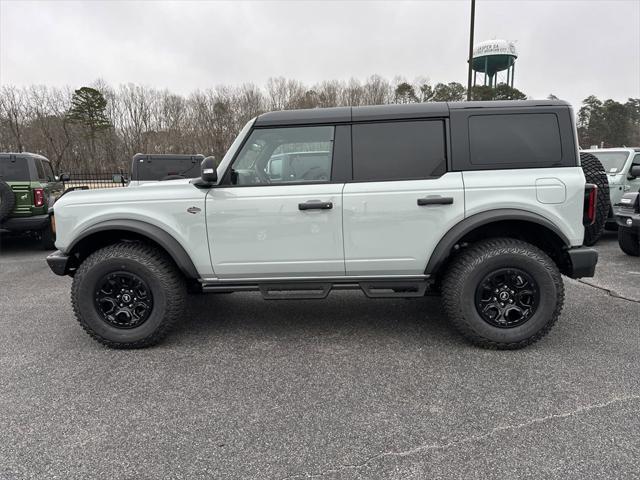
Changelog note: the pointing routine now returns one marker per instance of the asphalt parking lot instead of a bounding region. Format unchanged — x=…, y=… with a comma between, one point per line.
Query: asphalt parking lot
x=346, y=388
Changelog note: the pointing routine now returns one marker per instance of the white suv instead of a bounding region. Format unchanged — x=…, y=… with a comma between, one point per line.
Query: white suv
x=481, y=202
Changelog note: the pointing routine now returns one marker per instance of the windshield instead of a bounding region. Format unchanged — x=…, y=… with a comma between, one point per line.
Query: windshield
x=14, y=169
x=161, y=168
x=233, y=148
x=613, y=162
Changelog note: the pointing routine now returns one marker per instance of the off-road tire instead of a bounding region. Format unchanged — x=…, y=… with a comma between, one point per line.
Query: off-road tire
x=7, y=200
x=152, y=265
x=629, y=241
x=466, y=271
x=47, y=238
x=594, y=173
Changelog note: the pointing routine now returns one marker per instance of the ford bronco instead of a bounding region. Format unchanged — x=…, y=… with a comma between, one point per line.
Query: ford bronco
x=482, y=203
x=28, y=188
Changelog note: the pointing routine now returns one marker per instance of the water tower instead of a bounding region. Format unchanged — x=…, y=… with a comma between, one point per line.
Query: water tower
x=492, y=57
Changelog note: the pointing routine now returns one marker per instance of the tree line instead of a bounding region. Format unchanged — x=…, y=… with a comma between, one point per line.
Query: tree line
x=100, y=127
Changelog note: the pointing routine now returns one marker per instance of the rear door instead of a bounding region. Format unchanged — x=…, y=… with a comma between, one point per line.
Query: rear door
x=278, y=210
x=402, y=199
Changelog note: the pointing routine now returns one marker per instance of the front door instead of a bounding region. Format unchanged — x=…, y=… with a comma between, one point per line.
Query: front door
x=277, y=213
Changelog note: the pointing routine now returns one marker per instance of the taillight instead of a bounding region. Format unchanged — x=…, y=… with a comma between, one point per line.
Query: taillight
x=38, y=197
x=590, y=199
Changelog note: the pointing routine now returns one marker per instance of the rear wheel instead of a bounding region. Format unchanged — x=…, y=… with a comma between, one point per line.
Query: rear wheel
x=128, y=295
x=594, y=173
x=503, y=293
x=629, y=241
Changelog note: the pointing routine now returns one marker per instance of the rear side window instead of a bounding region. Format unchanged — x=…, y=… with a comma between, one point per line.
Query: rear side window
x=15, y=170
x=398, y=150
x=515, y=139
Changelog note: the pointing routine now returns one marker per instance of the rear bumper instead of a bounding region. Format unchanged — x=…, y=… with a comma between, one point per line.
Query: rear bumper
x=583, y=262
x=60, y=264
x=22, y=224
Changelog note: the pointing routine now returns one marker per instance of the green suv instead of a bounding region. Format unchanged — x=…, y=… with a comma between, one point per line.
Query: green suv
x=28, y=188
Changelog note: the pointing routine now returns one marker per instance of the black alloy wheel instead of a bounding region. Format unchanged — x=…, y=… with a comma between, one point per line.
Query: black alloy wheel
x=507, y=297
x=123, y=299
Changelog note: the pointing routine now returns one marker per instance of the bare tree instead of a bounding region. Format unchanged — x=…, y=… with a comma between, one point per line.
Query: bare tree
x=48, y=108
x=13, y=105
x=146, y=120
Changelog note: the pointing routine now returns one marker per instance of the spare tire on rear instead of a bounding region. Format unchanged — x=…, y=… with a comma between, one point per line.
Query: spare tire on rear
x=7, y=200
x=594, y=173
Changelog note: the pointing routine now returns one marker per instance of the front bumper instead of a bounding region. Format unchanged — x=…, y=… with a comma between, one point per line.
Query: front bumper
x=583, y=262
x=23, y=224
x=61, y=264
x=627, y=218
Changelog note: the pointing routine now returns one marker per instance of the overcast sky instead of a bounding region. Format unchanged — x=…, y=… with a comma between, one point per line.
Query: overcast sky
x=569, y=48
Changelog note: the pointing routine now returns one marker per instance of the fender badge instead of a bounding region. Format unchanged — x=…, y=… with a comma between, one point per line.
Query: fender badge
x=193, y=210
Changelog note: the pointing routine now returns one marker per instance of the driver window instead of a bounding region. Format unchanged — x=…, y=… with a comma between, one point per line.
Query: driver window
x=285, y=155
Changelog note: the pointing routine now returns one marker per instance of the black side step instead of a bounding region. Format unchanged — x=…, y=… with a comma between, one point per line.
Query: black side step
x=308, y=290
x=394, y=288
x=294, y=291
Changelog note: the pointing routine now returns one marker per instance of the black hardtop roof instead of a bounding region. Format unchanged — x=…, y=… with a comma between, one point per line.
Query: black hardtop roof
x=9, y=155
x=159, y=156
x=389, y=112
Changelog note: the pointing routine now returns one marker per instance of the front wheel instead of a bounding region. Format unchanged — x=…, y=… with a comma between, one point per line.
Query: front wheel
x=128, y=295
x=503, y=293
x=629, y=241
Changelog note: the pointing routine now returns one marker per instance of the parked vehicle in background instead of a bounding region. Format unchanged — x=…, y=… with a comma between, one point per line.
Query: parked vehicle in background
x=28, y=188
x=146, y=168
x=627, y=215
x=617, y=162
x=483, y=203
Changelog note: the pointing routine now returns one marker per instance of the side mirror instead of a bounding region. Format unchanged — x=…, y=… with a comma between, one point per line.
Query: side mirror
x=117, y=178
x=635, y=171
x=208, y=170
x=65, y=177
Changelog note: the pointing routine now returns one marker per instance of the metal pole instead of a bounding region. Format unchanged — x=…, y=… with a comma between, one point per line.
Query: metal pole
x=473, y=15
x=513, y=71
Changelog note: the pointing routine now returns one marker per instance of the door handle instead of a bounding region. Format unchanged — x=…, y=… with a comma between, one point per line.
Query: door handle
x=315, y=205
x=435, y=200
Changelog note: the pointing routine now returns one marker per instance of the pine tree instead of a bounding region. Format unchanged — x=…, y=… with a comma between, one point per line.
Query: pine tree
x=88, y=109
